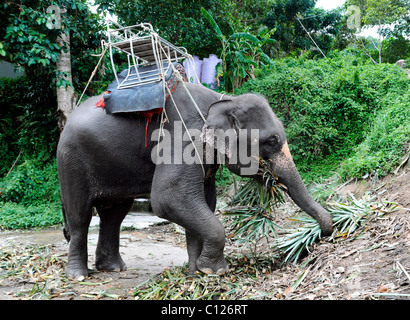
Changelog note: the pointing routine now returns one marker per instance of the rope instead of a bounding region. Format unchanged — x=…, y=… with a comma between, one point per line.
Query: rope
x=179, y=77
x=192, y=62
x=190, y=137
x=164, y=117
x=177, y=73
x=105, y=47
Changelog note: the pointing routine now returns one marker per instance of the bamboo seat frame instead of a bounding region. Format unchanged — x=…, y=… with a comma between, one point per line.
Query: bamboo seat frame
x=143, y=47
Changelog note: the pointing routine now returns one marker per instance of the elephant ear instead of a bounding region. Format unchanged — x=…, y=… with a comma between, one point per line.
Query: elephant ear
x=220, y=124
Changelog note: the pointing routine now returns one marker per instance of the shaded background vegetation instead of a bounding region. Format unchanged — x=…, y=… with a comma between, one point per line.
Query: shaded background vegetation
x=345, y=114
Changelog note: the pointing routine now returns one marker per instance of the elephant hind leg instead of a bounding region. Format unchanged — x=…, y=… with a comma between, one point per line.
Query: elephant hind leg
x=111, y=214
x=78, y=220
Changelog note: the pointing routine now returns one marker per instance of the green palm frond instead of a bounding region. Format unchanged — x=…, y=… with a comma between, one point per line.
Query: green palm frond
x=247, y=36
x=252, y=207
x=252, y=214
x=347, y=218
x=213, y=23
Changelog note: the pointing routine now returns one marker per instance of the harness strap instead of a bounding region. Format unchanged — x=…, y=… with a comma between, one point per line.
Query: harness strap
x=190, y=137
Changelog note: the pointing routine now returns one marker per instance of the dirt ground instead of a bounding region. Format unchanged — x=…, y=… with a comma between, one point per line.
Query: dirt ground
x=376, y=263
x=373, y=265
x=146, y=253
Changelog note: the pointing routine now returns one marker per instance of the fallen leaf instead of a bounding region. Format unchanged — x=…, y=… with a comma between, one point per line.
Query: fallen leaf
x=288, y=290
x=382, y=289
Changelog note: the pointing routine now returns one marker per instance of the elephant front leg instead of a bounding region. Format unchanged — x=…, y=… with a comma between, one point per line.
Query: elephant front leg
x=194, y=248
x=194, y=243
x=212, y=260
x=184, y=202
x=205, y=251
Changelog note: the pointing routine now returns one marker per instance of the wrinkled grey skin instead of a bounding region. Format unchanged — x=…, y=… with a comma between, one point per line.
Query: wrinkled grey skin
x=103, y=162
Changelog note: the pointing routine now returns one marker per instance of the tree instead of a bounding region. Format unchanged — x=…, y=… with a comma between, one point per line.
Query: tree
x=178, y=21
x=395, y=48
x=250, y=13
x=37, y=39
x=320, y=25
x=65, y=92
x=382, y=14
x=402, y=25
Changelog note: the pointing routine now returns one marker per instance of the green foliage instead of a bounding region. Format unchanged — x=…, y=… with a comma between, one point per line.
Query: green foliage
x=402, y=25
x=386, y=142
x=347, y=218
x=395, y=48
x=329, y=106
x=178, y=21
x=241, y=53
x=30, y=196
x=250, y=13
x=29, y=191
x=31, y=184
x=383, y=14
x=322, y=25
x=29, y=39
x=16, y=216
x=2, y=51
x=27, y=121
x=224, y=178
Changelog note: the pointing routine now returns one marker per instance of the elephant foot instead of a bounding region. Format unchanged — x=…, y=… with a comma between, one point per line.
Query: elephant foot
x=74, y=272
x=113, y=264
x=210, y=267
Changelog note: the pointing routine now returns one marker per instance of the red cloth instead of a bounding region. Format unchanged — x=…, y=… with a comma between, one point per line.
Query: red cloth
x=101, y=102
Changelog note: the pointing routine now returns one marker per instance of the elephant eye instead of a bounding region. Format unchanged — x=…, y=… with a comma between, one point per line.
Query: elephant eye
x=271, y=143
x=273, y=140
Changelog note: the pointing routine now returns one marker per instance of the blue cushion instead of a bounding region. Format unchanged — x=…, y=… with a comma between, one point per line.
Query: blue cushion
x=143, y=97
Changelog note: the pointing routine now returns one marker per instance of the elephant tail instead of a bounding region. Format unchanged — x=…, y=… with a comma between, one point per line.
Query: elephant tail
x=66, y=231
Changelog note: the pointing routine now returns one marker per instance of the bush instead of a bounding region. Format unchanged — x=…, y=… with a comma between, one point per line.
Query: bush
x=30, y=196
x=31, y=184
x=329, y=106
x=17, y=216
x=384, y=145
x=28, y=121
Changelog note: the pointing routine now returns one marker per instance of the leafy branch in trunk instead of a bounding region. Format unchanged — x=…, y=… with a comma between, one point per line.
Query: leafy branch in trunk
x=252, y=208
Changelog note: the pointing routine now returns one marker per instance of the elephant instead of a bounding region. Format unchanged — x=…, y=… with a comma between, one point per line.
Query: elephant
x=105, y=161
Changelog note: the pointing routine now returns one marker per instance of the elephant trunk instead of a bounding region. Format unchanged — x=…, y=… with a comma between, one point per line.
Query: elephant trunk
x=288, y=174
